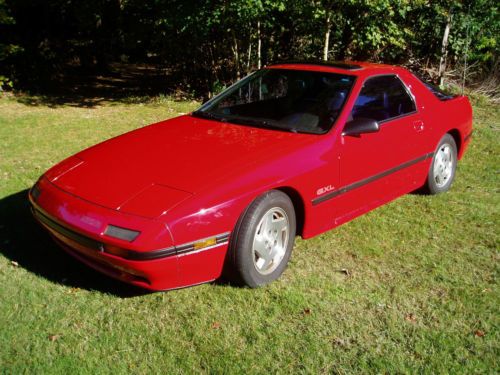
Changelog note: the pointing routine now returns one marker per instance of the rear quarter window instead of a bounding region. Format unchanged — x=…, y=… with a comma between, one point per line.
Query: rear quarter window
x=442, y=95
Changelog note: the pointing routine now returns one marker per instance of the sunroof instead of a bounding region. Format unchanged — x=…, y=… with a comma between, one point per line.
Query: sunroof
x=333, y=64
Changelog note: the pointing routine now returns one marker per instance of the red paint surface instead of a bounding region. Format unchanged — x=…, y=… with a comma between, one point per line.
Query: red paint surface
x=186, y=179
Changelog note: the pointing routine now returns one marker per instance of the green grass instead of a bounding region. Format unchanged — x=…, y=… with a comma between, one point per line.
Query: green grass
x=421, y=287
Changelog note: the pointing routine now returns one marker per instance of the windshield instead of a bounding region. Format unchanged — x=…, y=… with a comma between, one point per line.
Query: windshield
x=288, y=100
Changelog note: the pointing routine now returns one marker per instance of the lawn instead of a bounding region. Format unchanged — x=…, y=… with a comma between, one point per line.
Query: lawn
x=411, y=287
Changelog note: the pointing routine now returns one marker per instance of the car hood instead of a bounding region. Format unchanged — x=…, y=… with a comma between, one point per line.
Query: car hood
x=162, y=164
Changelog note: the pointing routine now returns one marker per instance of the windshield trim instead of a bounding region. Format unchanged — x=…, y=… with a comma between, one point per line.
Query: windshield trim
x=227, y=90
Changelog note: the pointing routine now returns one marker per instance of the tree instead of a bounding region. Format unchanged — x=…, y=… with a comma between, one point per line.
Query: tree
x=207, y=44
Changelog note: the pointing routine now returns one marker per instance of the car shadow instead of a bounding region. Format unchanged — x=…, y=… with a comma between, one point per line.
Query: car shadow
x=24, y=242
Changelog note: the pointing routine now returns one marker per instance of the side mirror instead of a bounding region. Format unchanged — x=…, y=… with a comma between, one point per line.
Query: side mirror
x=360, y=126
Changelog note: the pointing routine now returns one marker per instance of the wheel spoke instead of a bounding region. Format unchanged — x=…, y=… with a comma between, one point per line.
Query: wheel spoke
x=259, y=245
x=447, y=154
x=437, y=167
x=268, y=224
x=260, y=263
x=279, y=225
x=278, y=253
x=265, y=258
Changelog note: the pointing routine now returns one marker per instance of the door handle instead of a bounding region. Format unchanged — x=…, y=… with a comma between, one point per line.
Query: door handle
x=418, y=126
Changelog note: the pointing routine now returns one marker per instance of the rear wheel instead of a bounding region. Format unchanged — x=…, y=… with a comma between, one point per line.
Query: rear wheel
x=262, y=241
x=443, y=166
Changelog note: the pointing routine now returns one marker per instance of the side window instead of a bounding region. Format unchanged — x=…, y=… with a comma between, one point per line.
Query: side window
x=383, y=98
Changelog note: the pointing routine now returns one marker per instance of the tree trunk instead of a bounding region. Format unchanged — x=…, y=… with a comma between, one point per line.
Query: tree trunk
x=249, y=54
x=444, y=49
x=327, y=38
x=236, y=56
x=213, y=76
x=259, y=46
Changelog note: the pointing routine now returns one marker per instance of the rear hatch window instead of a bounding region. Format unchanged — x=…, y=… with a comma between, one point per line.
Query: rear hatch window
x=438, y=93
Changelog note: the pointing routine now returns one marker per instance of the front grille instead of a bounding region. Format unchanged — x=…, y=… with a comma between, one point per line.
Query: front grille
x=77, y=237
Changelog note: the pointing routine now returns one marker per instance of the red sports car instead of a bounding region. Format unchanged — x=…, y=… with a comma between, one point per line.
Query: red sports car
x=292, y=149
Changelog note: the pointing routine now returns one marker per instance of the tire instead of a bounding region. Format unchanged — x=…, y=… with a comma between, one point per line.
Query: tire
x=444, y=164
x=262, y=241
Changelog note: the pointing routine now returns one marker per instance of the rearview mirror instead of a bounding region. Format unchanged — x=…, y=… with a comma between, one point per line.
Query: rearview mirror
x=360, y=126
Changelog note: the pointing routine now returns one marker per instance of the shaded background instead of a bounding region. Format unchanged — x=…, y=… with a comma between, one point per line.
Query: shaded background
x=195, y=48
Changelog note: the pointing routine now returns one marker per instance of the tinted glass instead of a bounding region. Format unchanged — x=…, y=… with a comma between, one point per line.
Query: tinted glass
x=438, y=93
x=383, y=98
x=293, y=100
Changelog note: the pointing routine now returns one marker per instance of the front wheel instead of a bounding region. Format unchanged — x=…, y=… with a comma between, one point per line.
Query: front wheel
x=262, y=241
x=443, y=166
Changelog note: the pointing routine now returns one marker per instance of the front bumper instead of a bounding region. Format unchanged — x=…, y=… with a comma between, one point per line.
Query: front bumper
x=166, y=267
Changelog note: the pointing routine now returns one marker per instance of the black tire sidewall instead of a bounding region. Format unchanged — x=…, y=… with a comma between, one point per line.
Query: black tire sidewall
x=431, y=182
x=242, y=239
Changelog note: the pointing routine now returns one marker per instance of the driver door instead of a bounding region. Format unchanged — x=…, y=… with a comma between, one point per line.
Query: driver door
x=374, y=166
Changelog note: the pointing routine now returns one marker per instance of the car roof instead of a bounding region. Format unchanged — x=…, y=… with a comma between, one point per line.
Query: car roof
x=343, y=67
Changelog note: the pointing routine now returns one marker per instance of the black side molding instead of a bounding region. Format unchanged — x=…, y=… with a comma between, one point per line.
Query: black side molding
x=367, y=180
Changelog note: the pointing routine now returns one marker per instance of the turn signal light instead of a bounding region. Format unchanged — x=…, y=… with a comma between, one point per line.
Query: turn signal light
x=205, y=243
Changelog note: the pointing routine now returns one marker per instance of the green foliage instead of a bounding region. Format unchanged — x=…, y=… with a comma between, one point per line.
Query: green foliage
x=476, y=32
x=5, y=82
x=205, y=41
x=7, y=50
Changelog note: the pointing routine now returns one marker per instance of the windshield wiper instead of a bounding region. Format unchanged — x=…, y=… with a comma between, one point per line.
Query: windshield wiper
x=209, y=115
x=260, y=124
